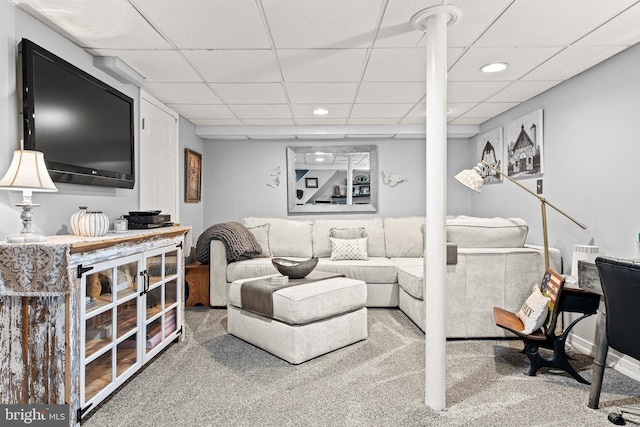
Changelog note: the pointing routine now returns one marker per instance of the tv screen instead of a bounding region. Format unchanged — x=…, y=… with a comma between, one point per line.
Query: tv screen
x=83, y=126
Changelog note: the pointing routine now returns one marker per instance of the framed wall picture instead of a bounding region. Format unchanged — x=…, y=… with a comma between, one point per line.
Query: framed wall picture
x=311, y=182
x=192, y=176
x=525, y=154
x=489, y=149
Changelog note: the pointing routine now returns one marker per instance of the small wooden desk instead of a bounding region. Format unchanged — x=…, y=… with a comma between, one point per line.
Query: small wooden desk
x=197, y=282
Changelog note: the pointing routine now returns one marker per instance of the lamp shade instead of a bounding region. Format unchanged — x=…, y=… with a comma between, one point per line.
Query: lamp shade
x=471, y=178
x=27, y=172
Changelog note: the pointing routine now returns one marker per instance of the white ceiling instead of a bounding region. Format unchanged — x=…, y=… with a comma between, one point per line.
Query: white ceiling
x=272, y=62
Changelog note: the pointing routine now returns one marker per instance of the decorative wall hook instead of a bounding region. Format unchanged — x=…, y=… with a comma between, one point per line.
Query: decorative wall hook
x=275, y=182
x=391, y=179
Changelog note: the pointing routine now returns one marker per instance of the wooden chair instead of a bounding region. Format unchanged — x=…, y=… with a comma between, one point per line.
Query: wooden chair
x=562, y=300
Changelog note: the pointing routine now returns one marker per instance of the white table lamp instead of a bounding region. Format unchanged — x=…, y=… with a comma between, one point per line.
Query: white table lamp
x=27, y=173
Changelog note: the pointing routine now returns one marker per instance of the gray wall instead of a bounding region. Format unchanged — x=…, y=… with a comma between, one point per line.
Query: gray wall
x=190, y=213
x=591, y=153
x=53, y=216
x=236, y=173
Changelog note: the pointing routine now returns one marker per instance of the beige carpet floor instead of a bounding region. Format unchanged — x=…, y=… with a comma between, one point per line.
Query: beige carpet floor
x=215, y=379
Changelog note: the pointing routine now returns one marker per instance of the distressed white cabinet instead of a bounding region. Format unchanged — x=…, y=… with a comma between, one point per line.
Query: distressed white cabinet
x=79, y=316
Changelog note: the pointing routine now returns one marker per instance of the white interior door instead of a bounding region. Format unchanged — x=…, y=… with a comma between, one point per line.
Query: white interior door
x=159, y=157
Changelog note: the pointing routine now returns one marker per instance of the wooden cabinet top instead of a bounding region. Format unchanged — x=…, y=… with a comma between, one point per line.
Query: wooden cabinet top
x=41, y=269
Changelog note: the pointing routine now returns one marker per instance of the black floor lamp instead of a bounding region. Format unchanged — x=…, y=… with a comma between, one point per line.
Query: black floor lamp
x=474, y=180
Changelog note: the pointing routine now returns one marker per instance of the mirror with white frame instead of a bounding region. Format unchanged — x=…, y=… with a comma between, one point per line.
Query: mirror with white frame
x=330, y=179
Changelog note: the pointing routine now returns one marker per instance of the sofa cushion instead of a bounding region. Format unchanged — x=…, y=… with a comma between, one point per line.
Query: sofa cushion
x=255, y=267
x=403, y=237
x=348, y=233
x=287, y=237
x=373, y=226
x=261, y=233
x=410, y=279
x=349, y=249
x=375, y=270
x=472, y=232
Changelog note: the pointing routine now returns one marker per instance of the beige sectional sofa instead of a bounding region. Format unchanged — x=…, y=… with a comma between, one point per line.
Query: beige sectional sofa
x=494, y=267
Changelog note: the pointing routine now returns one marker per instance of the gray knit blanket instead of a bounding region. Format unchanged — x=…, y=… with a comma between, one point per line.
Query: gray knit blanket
x=238, y=241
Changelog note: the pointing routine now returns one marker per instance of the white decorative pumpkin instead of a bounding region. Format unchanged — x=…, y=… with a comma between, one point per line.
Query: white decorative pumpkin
x=93, y=224
x=75, y=220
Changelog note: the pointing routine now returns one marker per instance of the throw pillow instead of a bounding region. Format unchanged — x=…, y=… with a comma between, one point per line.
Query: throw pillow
x=534, y=311
x=355, y=249
x=261, y=233
x=348, y=233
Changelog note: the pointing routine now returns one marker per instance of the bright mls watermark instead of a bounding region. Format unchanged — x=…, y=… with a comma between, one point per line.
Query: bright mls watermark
x=34, y=415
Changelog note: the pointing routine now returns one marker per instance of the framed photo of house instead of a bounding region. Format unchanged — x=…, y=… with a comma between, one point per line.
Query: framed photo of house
x=489, y=148
x=525, y=146
x=311, y=182
x=192, y=176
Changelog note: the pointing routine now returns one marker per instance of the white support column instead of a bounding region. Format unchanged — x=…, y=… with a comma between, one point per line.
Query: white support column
x=434, y=21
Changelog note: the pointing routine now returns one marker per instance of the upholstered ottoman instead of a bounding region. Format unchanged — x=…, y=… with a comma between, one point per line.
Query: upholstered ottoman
x=307, y=320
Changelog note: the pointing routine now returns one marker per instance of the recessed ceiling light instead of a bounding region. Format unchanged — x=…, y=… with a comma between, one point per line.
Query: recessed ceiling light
x=320, y=112
x=494, y=67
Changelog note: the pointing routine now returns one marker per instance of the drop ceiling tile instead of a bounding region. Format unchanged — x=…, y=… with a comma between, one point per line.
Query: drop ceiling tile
x=413, y=120
x=621, y=30
x=473, y=91
x=215, y=122
x=404, y=64
x=261, y=111
x=237, y=66
x=99, y=24
x=374, y=121
x=489, y=109
x=194, y=111
x=211, y=24
x=182, y=93
x=310, y=121
x=321, y=65
x=364, y=111
x=322, y=93
x=455, y=109
x=520, y=60
x=336, y=111
x=392, y=92
x=537, y=23
x=469, y=120
x=572, y=61
x=396, y=29
x=401, y=64
x=269, y=122
x=322, y=24
x=476, y=17
x=250, y=93
x=521, y=90
x=156, y=65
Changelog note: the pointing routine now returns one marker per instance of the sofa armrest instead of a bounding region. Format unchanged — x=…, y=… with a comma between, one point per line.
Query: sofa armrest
x=217, y=274
x=555, y=258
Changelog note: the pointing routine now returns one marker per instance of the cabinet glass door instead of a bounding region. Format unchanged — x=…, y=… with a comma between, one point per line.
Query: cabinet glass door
x=110, y=328
x=161, y=299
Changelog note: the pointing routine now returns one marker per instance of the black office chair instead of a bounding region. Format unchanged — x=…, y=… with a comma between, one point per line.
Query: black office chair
x=620, y=282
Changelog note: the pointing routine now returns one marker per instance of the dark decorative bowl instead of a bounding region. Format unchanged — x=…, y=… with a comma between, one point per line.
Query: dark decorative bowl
x=294, y=269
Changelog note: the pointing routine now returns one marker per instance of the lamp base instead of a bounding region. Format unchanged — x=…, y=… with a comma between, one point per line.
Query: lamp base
x=26, y=238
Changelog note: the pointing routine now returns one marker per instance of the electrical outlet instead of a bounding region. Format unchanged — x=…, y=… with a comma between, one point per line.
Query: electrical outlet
x=539, y=186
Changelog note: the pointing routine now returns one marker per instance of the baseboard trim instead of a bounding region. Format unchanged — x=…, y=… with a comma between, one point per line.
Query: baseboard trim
x=623, y=364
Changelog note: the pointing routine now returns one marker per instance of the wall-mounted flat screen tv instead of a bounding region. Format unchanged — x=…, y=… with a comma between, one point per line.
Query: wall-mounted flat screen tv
x=83, y=126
